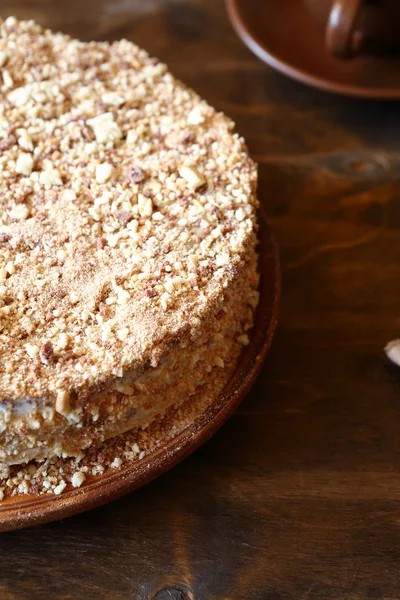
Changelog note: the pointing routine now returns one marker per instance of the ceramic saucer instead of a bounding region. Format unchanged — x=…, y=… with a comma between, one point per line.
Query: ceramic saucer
x=284, y=35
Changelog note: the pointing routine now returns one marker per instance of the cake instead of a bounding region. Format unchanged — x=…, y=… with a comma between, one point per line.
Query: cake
x=128, y=233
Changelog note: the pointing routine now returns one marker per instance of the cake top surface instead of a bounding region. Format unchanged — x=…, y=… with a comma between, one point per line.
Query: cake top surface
x=126, y=203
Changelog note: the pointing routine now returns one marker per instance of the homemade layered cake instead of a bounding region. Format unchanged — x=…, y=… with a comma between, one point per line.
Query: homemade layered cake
x=128, y=265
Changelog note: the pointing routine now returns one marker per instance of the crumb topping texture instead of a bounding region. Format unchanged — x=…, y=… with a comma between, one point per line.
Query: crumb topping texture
x=126, y=202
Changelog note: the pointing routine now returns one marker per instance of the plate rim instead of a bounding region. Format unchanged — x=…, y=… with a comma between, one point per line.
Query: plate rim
x=33, y=510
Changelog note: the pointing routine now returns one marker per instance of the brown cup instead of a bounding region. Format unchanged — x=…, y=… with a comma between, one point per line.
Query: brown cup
x=354, y=27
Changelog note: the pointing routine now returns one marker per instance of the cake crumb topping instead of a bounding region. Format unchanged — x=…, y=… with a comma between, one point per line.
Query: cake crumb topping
x=127, y=202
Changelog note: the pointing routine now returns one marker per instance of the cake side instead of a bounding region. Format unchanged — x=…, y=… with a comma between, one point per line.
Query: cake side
x=38, y=431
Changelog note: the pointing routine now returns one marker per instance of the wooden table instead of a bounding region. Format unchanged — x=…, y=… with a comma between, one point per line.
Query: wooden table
x=298, y=495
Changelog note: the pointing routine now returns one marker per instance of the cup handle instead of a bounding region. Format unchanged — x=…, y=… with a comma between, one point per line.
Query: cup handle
x=341, y=38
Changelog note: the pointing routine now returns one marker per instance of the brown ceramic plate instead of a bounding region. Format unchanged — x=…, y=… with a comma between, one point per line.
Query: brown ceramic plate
x=283, y=34
x=24, y=511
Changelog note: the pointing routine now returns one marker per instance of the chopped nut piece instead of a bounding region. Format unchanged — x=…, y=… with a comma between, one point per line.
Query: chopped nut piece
x=95, y=212
x=7, y=143
x=123, y=296
x=11, y=21
x=19, y=96
x=222, y=259
x=61, y=254
x=124, y=216
x=105, y=128
x=188, y=137
x=132, y=137
x=113, y=99
x=243, y=339
x=240, y=214
x=47, y=353
x=10, y=267
x=133, y=226
x=62, y=341
x=24, y=139
x=123, y=333
x=24, y=164
x=32, y=350
x=194, y=179
x=19, y=212
x=145, y=206
x=195, y=116
x=7, y=80
x=27, y=324
x=50, y=176
x=103, y=172
x=136, y=175
x=254, y=299
x=60, y=488
x=63, y=405
x=78, y=478
x=3, y=58
x=169, y=286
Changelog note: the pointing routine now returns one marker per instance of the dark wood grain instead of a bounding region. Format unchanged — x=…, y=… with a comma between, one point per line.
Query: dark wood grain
x=297, y=497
